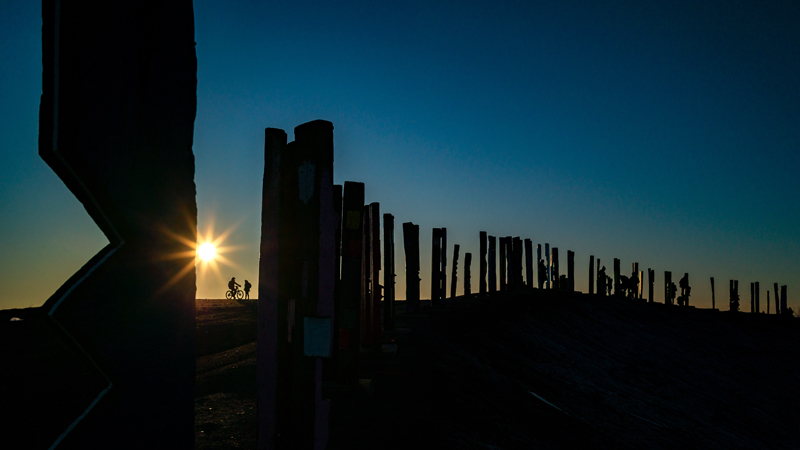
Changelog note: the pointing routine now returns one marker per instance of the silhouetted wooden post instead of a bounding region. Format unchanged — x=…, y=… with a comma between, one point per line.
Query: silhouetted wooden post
x=635, y=271
x=752, y=298
x=651, y=278
x=571, y=270
x=492, y=264
x=600, y=283
x=667, y=287
x=617, y=290
x=554, y=271
x=777, y=300
x=388, y=272
x=296, y=274
x=591, y=274
x=411, y=247
x=329, y=364
x=736, y=291
x=713, y=299
x=784, y=301
x=436, y=266
x=758, y=294
x=547, y=265
x=529, y=263
x=482, y=269
x=348, y=311
x=767, y=301
x=641, y=284
x=366, y=271
x=467, y=281
x=454, y=270
x=539, y=258
x=375, y=268
x=443, y=271
x=503, y=261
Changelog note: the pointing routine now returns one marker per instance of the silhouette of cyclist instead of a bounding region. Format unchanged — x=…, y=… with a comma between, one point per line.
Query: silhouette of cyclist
x=247, y=287
x=232, y=285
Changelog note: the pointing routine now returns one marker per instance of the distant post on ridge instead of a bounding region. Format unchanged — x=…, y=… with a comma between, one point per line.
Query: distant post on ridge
x=667, y=287
x=591, y=274
x=443, y=270
x=651, y=280
x=777, y=300
x=539, y=276
x=570, y=271
x=529, y=266
x=547, y=265
x=493, y=265
x=554, y=273
x=503, y=261
x=454, y=270
x=617, y=290
x=366, y=282
x=784, y=301
x=482, y=268
x=388, y=272
x=411, y=248
x=467, y=281
x=374, y=277
x=436, y=266
x=752, y=298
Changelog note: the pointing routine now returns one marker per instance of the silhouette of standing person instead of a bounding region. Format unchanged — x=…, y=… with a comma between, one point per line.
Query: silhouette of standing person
x=247, y=287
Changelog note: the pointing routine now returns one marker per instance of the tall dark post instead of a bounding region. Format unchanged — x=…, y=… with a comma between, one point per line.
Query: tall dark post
x=539, y=276
x=635, y=272
x=493, y=265
x=299, y=287
x=554, y=273
x=436, y=266
x=591, y=274
x=736, y=291
x=784, y=301
x=517, y=252
x=752, y=298
x=348, y=311
x=777, y=300
x=547, y=265
x=366, y=272
x=713, y=298
x=600, y=283
x=529, y=264
x=454, y=271
x=443, y=272
x=467, y=281
x=482, y=269
x=411, y=248
x=758, y=292
x=503, y=261
x=651, y=279
x=388, y=272
x=617, y=290
x=329, y=364
x=667, y=287
x=570, y=270
x=768, y=301
x=374, y=277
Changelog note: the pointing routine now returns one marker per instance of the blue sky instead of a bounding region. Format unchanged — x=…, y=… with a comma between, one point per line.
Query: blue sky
x=666, y=133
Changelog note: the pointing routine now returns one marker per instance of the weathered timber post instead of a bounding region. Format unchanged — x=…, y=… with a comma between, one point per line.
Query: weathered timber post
x=443, y=272
x=571, y=270
x=411, y=247
x=519, y=251
x=547, y=264
x=758, y=294
x=348, y=310
x=329, y=364
x=635, y=271
x=116, y=123
x=492, y=264
x=482, y=269
x=388, y=272
x=767, y=301
x=752, y=298
x=503, y=261
x=777, y=300
x=641, y=284
x=600, y=282
x=554, y=273
x=713, y=298
x=539, y=277
x=454, y=270
x=736, y=292
x=436, y=266
x=651, y=278
x=467, y=281
x=591, y=274
x=667, y=287
x=366, y=272
x=299, y=287
x=784, y=301
x=529, y=263
x=617, y=290
x=374, y=277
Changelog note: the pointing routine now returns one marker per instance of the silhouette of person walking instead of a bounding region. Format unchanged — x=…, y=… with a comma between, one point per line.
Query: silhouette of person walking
x=247, y=287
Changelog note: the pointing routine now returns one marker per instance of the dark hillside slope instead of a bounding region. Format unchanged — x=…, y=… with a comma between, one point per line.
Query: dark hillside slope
x=552, y=370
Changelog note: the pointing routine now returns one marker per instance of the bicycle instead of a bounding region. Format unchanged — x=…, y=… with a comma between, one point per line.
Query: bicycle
x=234, y=294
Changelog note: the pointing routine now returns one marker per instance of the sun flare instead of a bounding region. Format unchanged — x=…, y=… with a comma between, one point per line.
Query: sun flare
x=207, y=251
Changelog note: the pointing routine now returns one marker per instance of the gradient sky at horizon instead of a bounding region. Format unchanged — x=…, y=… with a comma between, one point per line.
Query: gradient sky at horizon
x=663, y=132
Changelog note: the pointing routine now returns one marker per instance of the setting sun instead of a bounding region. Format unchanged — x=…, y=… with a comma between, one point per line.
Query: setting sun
x=207, y=251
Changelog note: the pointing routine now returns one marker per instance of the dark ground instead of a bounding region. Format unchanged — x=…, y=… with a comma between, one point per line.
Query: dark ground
x=540, y=370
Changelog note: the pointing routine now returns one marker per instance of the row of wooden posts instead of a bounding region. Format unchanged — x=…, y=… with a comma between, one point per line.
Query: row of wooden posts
x=319, y=291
